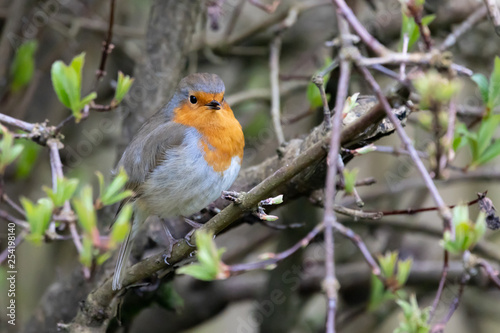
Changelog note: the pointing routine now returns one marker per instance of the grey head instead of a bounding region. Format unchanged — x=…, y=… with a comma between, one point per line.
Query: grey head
x=204, y=82
x=196, y=82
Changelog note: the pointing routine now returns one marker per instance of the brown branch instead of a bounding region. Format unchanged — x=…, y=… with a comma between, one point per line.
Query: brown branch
x=27, y=127
x=494, y=13
x=107, y=47
x=439, y=327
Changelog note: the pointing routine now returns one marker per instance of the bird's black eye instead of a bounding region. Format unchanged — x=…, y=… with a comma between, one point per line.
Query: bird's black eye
x=193, y=99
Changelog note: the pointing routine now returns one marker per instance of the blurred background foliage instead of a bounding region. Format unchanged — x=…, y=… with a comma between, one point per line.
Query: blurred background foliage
x=289, y=298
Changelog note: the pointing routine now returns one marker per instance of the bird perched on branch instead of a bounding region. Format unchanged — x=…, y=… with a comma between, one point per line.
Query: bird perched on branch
x=183, y=157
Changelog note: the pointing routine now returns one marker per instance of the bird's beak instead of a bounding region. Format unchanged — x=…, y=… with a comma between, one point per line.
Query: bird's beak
x=214, y=105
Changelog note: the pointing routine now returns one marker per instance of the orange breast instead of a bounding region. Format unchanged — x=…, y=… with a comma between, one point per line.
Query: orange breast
x=222, y=136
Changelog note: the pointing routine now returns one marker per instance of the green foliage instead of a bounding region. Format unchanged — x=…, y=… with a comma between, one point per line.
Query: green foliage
x=8, y=150
x=350, y=177
x=467, y=233
x=482, y=146
x=67, y=82
x=409, y=27
x=23, y=65
x=434, y=88
x=312, y=92
x=85, y=210
x=414, y=319
x=27, y=159
x=209, y=266
x=121, y=226
x=38, y=216
x=122, y=87
x=114, y=192
x=87, y=254
x=395, y=273
x=65, y=190
x=490, y=91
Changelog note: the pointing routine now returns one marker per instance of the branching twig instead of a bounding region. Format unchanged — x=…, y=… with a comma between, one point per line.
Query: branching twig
x=365, y=36
x=453, y=306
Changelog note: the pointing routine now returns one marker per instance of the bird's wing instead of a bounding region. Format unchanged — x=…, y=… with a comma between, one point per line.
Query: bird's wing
x=147, y=151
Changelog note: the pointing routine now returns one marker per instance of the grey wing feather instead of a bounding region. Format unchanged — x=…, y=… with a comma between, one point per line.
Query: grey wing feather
x=147, y=151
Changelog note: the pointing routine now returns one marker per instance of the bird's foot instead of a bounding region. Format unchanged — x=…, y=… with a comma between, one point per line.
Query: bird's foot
x=232, y=196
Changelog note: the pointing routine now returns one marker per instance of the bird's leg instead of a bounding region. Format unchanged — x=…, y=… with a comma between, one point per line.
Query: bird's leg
x=171, y=243
x=195, y=226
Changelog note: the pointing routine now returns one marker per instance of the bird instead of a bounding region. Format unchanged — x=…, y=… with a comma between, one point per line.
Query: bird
x=182, y=158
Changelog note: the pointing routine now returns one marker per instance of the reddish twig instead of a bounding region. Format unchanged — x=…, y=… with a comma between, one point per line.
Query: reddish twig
x=107, y=46
x=411, y=211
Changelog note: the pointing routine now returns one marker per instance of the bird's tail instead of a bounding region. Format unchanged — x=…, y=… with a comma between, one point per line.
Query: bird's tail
x=125, y=248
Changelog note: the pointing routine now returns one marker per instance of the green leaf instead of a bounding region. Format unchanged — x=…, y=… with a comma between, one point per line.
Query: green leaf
x=210, y=266
x=23, y=65
x=38, y=216
x=494, y=88
x=58, y=77
x=85, y=210
x=8, y=150
x=490, y=153
x=404, y=268
x=65, y=190
x=428, y=19
x=87, y=253
x=483, y=85
x=486, y=131
x=122, y=87
x=350, y=177
x=77, y=65
x=197, y=271
x=121, y=226
x=459, y=141
x=67, y=82
x=27, y=159
x=113, y=193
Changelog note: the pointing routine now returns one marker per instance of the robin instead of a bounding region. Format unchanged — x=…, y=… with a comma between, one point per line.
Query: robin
x=183, y=157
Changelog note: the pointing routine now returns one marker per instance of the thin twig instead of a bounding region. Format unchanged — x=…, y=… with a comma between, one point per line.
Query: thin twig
x=276, y=258
x=439, y=327
x=27, y=127
x=329, y=219
x=318, y=81
x=12, y=204
x=477, y=16
x=492, y=273
x=234, y=18
x=9, y=218
x=365, y=36
x=275, y=89
x=411, y=211
x=443, y=209
x=442, y=282
x=107, y=46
